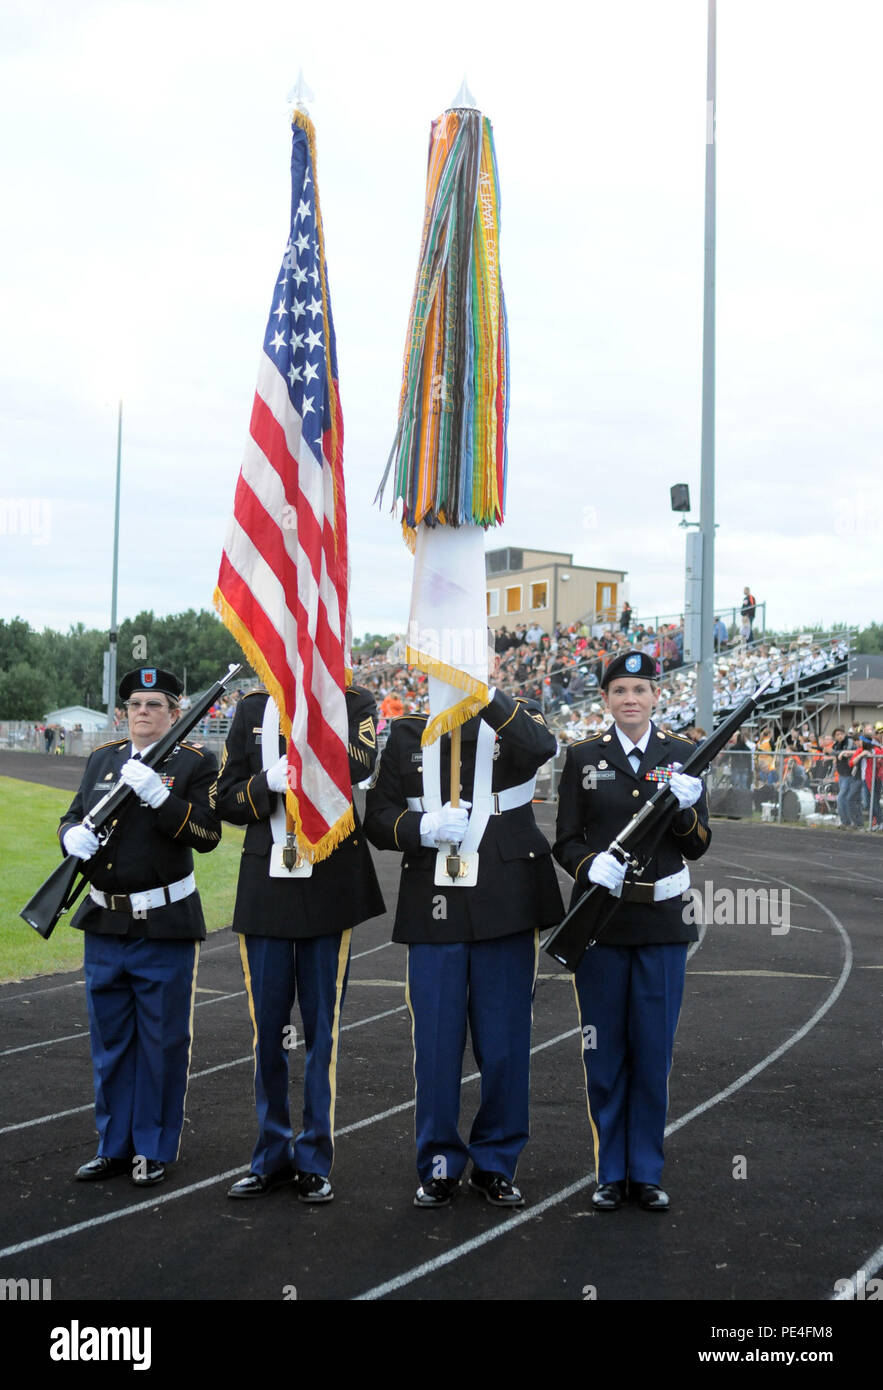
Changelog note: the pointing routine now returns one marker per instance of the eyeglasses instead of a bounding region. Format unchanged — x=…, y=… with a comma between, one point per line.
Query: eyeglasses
x=133, y=706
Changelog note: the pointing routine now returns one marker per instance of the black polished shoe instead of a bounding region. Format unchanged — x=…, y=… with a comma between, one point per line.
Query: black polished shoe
x=260, y=1184
x=312, y=1187
x=98, y=1168
x=608, y=1196
x=650, y=1197
x=147, y=1172
x=436, y=1193
x=497, y=1189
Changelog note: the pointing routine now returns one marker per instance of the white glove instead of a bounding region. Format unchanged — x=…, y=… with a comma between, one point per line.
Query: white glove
x=147, y=784
x=687, y=789
x=80, y=842
x=444, y=827
x=277, y=776
x=607, y=870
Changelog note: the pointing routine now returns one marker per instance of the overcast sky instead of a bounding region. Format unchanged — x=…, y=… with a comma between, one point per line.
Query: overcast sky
x=144, y=213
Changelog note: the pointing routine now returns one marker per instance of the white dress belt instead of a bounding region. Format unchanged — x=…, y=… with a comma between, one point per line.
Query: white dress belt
x=150, y=898
x=665, y=888
x=498, y=802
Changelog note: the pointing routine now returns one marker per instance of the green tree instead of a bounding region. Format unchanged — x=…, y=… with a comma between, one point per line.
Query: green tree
x=16, y=639
x=870, y=640
x=193, y=643
x=24, y=692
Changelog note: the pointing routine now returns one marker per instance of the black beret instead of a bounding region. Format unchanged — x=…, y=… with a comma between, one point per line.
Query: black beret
x=150, y=678
x=636, y=664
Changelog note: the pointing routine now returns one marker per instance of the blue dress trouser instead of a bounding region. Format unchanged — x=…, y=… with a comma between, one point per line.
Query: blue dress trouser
x=140, y=994
x=315, y=971
x=487, y=985
x=629, y=998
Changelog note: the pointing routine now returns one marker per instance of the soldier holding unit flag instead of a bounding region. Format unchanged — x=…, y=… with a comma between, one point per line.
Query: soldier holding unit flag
x=472, y=950
x=455, y=789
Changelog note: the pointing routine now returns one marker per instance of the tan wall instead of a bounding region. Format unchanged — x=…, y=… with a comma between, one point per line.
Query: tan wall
x=533, y=558
x=576, y=596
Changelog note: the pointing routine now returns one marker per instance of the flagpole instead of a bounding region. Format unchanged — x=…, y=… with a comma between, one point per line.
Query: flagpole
x=112, y=636
x=455, y=765
x=705, y=684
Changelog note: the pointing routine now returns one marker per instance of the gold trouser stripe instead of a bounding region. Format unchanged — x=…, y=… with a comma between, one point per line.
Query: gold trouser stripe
x=536, y=970
x=246, y=972
x=190, y=1044
x=592, y=1124
x=343, y=956
x=413, y=1037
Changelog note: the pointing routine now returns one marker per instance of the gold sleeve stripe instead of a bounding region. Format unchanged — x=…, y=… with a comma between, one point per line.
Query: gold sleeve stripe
x=202, y=834
x=395, y=830
x=518, y=706
x=248, y=794
x=184, y=821
x=584, y=861
x=691, y=827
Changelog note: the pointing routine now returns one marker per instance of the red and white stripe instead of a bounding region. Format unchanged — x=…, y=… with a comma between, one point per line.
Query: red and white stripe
x=284, y=575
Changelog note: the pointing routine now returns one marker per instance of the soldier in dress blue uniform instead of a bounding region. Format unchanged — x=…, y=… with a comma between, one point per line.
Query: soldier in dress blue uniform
x=472, y=951
x=143, y=923
x=630, y=984
x=294, y=940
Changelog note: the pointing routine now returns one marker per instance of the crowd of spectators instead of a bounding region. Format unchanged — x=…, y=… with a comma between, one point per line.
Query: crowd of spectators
x=561, y=670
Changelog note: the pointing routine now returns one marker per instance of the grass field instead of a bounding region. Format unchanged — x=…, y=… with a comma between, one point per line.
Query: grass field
x=29, y=852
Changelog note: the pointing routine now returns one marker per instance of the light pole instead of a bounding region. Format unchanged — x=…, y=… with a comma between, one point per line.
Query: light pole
x=705, y=683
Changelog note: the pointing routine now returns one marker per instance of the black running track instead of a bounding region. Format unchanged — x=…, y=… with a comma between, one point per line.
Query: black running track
x=773, y=1154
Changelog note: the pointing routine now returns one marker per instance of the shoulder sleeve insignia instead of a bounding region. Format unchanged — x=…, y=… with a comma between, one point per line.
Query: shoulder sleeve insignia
x=367, y=732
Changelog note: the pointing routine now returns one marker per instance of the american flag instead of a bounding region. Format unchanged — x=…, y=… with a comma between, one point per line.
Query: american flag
x=283, y=583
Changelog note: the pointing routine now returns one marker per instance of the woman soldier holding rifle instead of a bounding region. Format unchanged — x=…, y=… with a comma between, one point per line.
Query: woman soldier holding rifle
x=629, y=986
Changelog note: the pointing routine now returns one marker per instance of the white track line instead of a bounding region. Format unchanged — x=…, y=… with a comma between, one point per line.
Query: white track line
x=35, y=993
x=222, y=1177
x=200, y=1003
x=862, y=1276
x=513, y=1222
x=207, y=1071
x=47, y=1042
x=206, y=951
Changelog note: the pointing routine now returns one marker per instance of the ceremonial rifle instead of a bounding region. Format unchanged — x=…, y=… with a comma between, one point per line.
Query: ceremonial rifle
x=65, y=884
x=634, y=845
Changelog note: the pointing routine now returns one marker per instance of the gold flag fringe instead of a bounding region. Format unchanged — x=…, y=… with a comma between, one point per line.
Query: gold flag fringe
x=476, y=694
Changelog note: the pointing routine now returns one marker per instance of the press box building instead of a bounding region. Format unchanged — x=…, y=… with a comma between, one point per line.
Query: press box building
x=546, y=587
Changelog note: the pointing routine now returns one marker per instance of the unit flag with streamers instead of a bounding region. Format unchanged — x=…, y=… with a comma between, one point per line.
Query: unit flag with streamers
x=449, y=453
